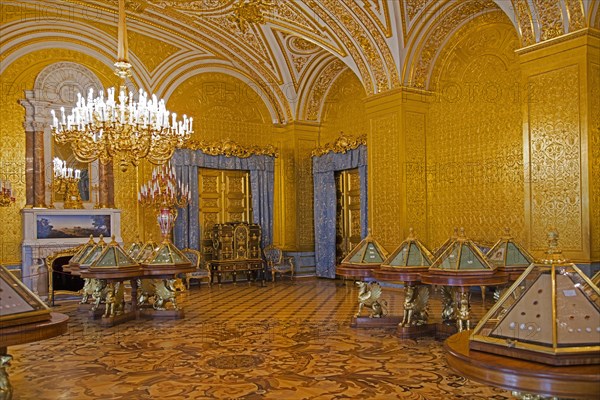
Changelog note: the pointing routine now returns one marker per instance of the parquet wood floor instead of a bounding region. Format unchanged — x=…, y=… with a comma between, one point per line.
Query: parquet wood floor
x=288, y=340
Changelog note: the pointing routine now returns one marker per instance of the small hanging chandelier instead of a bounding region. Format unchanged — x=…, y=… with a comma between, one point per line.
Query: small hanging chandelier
x=121, y=129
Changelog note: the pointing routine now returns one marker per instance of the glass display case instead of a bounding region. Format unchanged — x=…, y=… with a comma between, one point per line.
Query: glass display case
x=551, y=314
x=18, y=305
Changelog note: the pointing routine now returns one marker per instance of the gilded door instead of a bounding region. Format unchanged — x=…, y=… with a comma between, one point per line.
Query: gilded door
x=224, y=196
x=348, y=212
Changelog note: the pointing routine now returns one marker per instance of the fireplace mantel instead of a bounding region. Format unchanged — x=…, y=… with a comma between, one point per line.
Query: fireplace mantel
x=46, y=231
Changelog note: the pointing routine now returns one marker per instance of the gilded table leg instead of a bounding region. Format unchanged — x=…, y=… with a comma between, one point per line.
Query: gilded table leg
x=6, y=389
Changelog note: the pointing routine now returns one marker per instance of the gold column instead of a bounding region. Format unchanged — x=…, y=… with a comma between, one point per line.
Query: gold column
x=396, y=164
x=106, y=189
x=561, y=141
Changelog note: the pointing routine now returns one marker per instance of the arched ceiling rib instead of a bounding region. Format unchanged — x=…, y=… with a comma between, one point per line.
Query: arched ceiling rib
x=285, y=53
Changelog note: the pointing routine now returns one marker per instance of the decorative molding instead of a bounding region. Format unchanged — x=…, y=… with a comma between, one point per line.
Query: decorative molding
x=229, y=148
x=340, y=145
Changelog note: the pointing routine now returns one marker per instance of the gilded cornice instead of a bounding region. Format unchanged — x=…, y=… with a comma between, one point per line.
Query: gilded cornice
x=229, y=148
x=342, y=144
x=560, y=39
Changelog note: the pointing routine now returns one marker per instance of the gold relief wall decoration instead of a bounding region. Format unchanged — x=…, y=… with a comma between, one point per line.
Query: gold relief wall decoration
x=523, y=14
x=224, y=107
x=575, y=12
x=305, y=198
x=385, y=70
x=438, y=33
x=414, y=172
x=229, y=148
x=341, y=144
x=334, y=24
x=150, y=51
x=474, y=139
x=555, y=158
x=320, y=87
x=290, y=197
x=594, y=146
x=385, y=180
x=344, y=109
x=550, y=19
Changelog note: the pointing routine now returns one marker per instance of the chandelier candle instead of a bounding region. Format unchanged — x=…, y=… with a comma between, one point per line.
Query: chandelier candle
x=66, y=181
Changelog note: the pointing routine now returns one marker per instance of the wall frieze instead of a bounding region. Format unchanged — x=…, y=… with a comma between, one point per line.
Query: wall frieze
x=342, y=144
x=229, y=148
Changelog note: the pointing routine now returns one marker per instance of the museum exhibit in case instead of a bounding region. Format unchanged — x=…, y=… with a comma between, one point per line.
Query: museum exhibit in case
x=551, y=315
x=509, y=256
x=18, y=305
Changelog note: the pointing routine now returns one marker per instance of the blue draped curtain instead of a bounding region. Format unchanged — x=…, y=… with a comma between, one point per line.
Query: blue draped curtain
x=324, y=168
x=262, y=179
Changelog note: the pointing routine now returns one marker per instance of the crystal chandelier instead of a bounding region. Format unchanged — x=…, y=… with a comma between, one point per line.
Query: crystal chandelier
x=121, y=129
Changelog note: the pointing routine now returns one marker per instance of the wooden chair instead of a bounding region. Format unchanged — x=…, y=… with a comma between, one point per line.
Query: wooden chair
x=202, y=270
x=277, y=262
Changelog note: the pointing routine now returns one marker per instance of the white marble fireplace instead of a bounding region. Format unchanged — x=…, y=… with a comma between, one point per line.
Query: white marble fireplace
x=46, y=231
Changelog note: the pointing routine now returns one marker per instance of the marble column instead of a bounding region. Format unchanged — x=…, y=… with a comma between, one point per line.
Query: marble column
x=106, y=186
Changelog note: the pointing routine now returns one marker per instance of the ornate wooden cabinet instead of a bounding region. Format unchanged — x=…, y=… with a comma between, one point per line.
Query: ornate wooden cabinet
x=235, y=248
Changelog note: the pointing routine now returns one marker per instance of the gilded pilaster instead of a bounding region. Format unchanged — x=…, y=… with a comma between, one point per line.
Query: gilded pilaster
x=560, y=128
x=396, y=170
x=293, y=210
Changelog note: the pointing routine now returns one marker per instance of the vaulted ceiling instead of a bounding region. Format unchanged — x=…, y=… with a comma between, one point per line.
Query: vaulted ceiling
x=289, y=51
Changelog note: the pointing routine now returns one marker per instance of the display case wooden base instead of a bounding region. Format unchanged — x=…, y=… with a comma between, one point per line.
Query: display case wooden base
x=366, y=322
x=151, y=313
x=527, y=377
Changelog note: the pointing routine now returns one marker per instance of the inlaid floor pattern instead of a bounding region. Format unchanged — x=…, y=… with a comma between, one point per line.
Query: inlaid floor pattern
x=288, y=340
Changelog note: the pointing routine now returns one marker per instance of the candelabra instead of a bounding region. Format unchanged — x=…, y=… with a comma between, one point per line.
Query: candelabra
x=164, y=194
x=66, y=181
x=6, y=197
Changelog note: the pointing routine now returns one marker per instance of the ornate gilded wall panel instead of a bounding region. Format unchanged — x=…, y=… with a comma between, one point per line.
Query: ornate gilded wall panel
x=305, y=194
x=555, y=146
x=474, y=137
x=319, y=89
x=414, y=173
x=385, y=180
x=344, y=110
x=223, y=107
x=594, y=147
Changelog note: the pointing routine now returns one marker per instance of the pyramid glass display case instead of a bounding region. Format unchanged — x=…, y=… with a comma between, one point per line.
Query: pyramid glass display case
x=146, y=251
x=92, y=255
x=509, y=256
x=113, y=258
x=551, y=315
x=366, y=256
x=405, y=264
x=75, y=261
x=134, y=249
x=461, y=266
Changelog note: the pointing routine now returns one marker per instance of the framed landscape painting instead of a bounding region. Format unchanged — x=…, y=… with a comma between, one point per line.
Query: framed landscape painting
x=72, y=226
